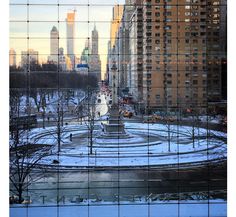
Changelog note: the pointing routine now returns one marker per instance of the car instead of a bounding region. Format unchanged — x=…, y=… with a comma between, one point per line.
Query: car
x=169, y=118
x=149, y=119
x=157, y=117
x=128, y=114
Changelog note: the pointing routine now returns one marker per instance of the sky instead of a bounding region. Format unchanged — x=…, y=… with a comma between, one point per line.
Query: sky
x=44, y=14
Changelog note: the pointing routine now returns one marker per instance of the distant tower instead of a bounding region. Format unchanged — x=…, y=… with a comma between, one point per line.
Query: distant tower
x=54, y=44
x=94, y=41
x=85, y=54
x=12, y=57
x=29, y=57
x=70, y=34
x=62, y=59
x=95, y=62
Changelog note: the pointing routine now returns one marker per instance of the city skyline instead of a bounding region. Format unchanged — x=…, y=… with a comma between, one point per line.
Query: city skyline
x=39, y=29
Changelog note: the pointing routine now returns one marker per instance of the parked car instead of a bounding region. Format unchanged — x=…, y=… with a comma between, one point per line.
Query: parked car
x=128, y=114
x=149, y=119
x=157, y=117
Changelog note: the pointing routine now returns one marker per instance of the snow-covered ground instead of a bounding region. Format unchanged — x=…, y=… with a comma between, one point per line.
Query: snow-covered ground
x=102, y=106
x=51, y=101
x=148, y=144
x=214, y=208
x=206, y=118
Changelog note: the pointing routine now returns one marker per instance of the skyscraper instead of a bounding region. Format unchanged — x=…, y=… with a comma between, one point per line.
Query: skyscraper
x=62, y=59
x=94, y=61
x=54, y=44
x=85, y=54
x=70, y=34
x=12, y=57
x=94, y=41
x=115, y=23
x=29, y=57
x=181, y=47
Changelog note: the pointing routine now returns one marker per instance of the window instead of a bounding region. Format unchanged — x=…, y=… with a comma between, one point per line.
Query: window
x=167, y=27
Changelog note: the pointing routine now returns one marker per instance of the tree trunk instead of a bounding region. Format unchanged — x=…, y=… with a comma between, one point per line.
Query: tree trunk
x=20, y=192
x=91, y=142
x=169, y=143
x=43, y=118
x=193, y=136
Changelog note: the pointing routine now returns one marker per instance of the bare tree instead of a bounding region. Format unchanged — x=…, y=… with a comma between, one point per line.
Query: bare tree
x=59, y=119
x=170, y=133
x=90, y=118
x=80, y=112
x=14, y=110
x=24, y=158
x=194, y=114
x=36, y=97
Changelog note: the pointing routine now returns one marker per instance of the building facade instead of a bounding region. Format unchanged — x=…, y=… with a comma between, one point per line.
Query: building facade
x=179, y=51
x=94, y=61
x=12, y=57
x=54, y=45
x=70, y=34
x=29, y=57
x=136, y=52
x=62, y=60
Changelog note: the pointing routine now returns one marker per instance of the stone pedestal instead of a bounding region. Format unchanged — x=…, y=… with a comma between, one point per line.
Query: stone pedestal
x=115, y=126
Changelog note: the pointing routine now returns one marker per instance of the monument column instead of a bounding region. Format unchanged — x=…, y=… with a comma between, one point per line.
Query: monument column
x=114, y=127
x=114, y=84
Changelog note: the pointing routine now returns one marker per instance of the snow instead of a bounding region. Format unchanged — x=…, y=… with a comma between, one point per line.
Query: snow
x=147, y=144
x=51, y=101
x=135, y=150
x=207, y=118
x=102, y=107
x=216, y=208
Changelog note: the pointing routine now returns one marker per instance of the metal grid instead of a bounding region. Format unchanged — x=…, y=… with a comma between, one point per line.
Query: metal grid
x=120, y=190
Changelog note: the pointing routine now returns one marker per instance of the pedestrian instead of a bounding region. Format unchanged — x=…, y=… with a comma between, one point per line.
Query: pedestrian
x=48, y=118
x=71, y=137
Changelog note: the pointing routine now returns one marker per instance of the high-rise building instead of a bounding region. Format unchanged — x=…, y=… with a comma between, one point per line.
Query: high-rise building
x=62, y=60
x=223, y=43
x=29, y=57
x=70, y=34
x=124, y=37
x=136, y=52
x=85, y=53
x=94, y=60
x=115, y=23
x=181, y=45
x=54, y=45
x=114, y=49
x=119, y=44
x=12, y=57
x=216, y=31
x=94, y=50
